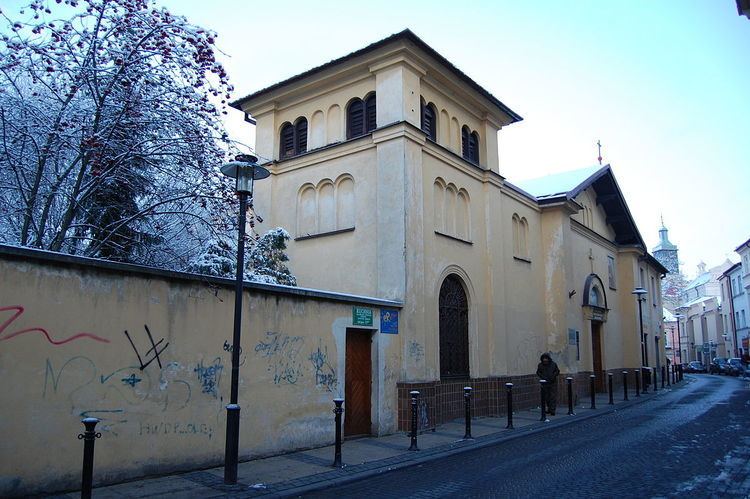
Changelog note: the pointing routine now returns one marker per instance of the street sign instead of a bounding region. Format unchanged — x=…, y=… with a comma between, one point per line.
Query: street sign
x=361, y=316
x=389, y=321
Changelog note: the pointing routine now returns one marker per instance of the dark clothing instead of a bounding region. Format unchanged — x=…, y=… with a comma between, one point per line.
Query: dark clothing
x=549, y=372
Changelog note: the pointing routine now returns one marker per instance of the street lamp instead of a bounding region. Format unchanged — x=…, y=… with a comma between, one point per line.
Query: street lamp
x=245, y=170
x=679, y=339
x=640, y=293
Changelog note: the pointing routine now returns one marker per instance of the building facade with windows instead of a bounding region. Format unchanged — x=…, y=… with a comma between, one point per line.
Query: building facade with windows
x=734, y=310
x=397, y=192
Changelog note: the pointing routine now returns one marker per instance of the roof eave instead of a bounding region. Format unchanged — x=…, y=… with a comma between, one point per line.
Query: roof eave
x=403, y=35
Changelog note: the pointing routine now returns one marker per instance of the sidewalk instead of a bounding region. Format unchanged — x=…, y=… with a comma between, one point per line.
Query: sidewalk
x=300, y=472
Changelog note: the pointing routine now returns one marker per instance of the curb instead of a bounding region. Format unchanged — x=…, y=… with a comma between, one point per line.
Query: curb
x=458, y=447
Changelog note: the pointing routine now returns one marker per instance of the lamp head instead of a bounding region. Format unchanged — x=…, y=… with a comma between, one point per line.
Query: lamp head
x=245, y=170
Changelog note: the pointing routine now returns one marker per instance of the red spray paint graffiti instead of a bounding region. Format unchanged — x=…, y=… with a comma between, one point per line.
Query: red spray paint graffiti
x=19, y=311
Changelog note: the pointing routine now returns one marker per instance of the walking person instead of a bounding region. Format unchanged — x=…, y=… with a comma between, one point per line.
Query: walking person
x=548, y=370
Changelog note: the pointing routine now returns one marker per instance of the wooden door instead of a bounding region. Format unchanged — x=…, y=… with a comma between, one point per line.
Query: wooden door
x=358, y=384
x=596, y=348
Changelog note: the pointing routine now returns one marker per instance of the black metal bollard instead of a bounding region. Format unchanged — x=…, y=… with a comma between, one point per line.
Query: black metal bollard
x=87, y=473
x=663, y=374
x=592, y=390
x=467, y=404
x=569, y=381
x=625, y=385
x=338, y=410
x=543, y=386
x=509, y=394
x=654, y=378
x=674, y=374
x=414, y=396
x=637, y=382
x=611, y=394
x=644, y=387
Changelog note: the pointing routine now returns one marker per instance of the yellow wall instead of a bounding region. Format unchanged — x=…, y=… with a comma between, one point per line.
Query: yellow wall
x=169, y=416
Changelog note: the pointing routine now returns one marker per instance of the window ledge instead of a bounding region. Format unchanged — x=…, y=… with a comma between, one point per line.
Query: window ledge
x=323, y=234
x=520, y=259
x=455, y=238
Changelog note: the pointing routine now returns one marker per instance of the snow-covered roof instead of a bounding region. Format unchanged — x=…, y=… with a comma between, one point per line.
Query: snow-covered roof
x=699, y=281
x=558, y=183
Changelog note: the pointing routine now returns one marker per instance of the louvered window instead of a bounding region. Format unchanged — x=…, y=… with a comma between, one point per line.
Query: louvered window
x=469, y=145
x=361, y=117
x=287, y=141
x=293, y=139
x=355, y=119
x=428, y=121
x=465, y=142
x=370, y=115
x=300, y=140
x=474, y=147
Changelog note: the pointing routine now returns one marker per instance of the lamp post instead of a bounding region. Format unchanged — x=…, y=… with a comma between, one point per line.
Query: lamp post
x=245, y=170
x=679, y=339
x=640, y=293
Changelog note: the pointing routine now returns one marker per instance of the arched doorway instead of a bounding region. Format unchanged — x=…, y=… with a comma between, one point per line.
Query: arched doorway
x=595, y=307
x=454, y=329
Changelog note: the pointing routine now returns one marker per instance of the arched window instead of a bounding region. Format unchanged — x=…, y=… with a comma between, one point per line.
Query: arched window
x=465, y=142
x=293, y=138
x=370, y=114
x=361, y=117
x=429, y=121
x=469, y=145
x=454, y=329
x=287, y=141
x=595, y=299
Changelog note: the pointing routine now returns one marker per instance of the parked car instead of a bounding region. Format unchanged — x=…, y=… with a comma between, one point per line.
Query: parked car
x=737, y=367
x=719, y=366
x=695, y=366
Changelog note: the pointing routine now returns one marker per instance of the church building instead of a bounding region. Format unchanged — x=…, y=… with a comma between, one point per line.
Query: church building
x=385, y=168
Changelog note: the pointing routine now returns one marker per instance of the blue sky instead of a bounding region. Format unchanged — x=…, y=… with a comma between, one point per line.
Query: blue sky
x=665, y=85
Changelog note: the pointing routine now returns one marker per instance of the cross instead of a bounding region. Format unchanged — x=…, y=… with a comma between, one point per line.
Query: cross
x=599, y=145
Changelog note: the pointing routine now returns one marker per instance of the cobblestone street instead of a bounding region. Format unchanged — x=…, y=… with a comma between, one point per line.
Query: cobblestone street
x=693, y=442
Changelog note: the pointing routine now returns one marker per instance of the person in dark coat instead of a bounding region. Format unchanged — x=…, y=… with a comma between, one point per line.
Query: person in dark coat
x=548, y=370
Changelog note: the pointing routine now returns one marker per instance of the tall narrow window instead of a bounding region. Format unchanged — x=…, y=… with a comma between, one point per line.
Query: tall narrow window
x=465, y=142
x=287, y=141
x=355, y=119
x=428, y=121
x=474, y=148
x=300, y=136
x=370, y=114
x=453, y=307
x=470, y=145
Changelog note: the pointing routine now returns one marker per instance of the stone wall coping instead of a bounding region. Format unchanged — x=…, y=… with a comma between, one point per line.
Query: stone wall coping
x=10, y=252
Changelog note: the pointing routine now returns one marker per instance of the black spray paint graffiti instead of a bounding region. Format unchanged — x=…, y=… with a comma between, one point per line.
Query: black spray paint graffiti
x=210, y=376
x=282, y=352
x=325, y=375
x=182, y=429
x=154, y=348
x=228, y=347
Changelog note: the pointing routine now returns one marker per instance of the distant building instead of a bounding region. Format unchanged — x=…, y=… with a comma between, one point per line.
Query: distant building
x=701, y=328
x=744, y=251
x=674, y=282
x=735, y=309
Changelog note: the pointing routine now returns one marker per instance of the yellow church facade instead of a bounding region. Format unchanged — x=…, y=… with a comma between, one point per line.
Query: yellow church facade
x=385, y=168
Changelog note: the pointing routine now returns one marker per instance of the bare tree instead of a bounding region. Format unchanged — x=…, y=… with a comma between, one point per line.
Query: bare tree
x=111, y=133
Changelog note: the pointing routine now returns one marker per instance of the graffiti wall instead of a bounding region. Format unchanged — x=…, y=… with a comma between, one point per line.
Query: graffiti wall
x=150, y=356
